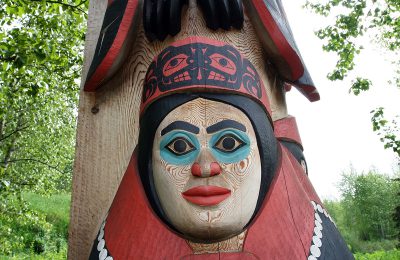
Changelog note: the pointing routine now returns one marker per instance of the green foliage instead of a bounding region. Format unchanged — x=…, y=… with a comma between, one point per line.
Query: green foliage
x=40, y=227
x=364, y=216
x=41, y=50
x=369, y=201
x=389, y=132
x=380, y=19
x=396, y=215
x=354, y=18
x=54, y=207
x=40, y=56
x=379, y=255
x=62, y=255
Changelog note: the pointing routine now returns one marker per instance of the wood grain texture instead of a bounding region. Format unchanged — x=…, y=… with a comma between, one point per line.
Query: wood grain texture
x=200, y=222
x=234, y=244
x=108, y=119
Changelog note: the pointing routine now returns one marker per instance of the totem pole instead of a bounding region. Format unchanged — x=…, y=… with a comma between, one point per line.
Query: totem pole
x=185, y=149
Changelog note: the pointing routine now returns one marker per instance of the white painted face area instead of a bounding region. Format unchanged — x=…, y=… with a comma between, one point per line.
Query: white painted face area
x=207, y=169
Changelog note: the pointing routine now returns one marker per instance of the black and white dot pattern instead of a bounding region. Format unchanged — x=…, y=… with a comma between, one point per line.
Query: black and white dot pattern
x=315, y=249
x=101, y=244
x=326, y=241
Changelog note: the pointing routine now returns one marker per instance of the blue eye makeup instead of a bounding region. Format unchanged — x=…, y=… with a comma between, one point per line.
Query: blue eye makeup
x=179, y=148
x=230, y=146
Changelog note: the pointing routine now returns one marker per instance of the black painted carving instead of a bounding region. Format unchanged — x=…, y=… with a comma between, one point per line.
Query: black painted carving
x=225, y=124
x=112, y=21
x=222, y=13
x=163, y=17
x=296, y=150
x=251, y=82
x=201, y=64
x=180, y=125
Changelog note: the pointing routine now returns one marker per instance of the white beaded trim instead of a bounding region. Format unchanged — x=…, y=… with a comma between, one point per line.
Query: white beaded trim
x=103, y=253
x=316, y=244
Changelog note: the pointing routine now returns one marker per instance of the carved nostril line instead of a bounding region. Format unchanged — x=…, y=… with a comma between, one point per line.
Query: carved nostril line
x=196, y=170
x=215, y=169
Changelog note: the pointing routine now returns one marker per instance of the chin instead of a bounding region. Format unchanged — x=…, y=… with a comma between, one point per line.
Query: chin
x=212, y=234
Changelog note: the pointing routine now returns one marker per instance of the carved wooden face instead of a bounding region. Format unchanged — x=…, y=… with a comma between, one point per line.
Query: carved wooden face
x=207, y=169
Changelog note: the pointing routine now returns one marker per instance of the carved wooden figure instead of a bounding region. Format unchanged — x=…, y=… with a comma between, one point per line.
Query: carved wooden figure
x=217, y=169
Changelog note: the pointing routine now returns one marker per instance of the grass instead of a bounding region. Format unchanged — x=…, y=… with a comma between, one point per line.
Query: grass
x=62, y=255
x=40, y=235
x=55, y=207
x=379, y=255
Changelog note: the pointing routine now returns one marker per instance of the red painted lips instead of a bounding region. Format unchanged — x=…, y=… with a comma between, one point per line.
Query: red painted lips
x=206, y=195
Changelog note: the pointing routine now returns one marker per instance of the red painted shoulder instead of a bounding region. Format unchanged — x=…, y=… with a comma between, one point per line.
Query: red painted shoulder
x=284, y=227
x=132, y=231
x=286, y=129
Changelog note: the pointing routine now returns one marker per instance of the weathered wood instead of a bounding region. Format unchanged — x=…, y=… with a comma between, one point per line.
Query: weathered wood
x=108, y=119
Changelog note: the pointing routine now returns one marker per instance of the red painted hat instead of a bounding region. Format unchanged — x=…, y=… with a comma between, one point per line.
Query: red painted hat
x=203, y=65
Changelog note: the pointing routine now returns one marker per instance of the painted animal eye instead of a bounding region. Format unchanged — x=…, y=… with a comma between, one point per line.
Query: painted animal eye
x=180, y=146
x=223, y=63
x=175, y=64
x=229, y=143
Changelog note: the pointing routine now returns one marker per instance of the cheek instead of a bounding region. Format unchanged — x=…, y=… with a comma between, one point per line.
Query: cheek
x=174, y=176
x=178, y=175
x=241, y=172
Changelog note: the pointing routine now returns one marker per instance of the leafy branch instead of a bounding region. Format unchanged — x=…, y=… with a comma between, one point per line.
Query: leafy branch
x=379, y=19
x=13, y=132
x=74, y=7
x=35, y=161
x=356, y=18
x=388, y=131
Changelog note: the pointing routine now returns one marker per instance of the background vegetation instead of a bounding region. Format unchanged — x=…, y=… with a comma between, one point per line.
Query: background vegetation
x=365, y=215
x=357, y=21
x=41, y=44
x=369, y=213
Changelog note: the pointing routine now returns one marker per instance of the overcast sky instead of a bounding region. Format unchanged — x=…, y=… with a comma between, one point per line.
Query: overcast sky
x=337, y=131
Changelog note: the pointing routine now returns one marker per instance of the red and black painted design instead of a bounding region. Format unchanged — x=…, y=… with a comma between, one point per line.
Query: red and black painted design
x=115, y=36
x=286, y=129
x=200, y=64
x=273, y=27
x=287, y=133
x=285, y=228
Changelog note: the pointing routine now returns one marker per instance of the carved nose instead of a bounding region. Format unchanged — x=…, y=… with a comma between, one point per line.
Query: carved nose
x=205, y=165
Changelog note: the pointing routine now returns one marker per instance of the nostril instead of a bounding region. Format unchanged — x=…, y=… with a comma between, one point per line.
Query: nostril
x=196, y=170
x=215, y=169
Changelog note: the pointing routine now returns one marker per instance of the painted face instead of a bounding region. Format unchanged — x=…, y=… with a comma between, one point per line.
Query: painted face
x=207, y=169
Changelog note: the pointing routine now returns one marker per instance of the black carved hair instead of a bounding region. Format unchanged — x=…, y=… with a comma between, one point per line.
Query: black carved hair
x=163, y=17
x=155, y=113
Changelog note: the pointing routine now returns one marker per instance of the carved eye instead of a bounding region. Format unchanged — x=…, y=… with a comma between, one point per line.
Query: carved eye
x=180, y=146
x=223, y=63
x=175, y=64
x=229, y=143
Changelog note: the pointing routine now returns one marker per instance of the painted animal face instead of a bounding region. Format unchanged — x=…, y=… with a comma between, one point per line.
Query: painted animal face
x=198, y=64
x=207, y=169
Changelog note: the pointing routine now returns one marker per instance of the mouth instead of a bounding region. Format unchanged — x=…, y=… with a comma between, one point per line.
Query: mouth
x=206, y=195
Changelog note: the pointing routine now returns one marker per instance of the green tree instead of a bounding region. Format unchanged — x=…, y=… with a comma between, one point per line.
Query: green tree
x=41, y=50
x=369, y=201
x=396, y=214
x=354, y=19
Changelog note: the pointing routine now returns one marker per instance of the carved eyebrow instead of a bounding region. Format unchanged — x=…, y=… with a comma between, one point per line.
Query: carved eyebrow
x=225, y=124
x=182, y=125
